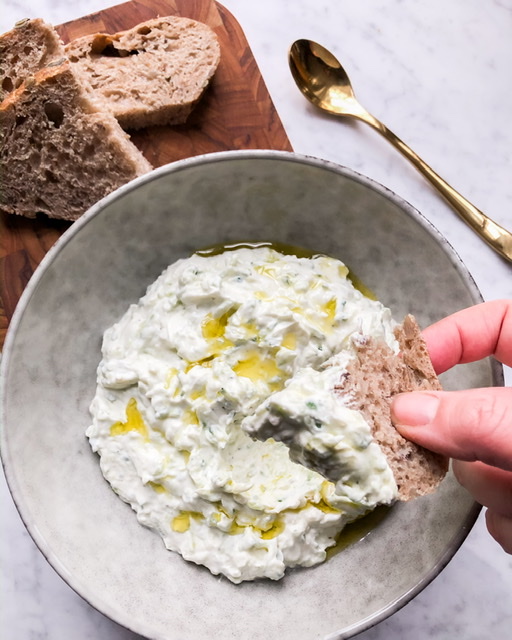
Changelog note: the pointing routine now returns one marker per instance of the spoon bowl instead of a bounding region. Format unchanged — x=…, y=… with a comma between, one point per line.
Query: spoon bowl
x=322, y=79
x=324, y=82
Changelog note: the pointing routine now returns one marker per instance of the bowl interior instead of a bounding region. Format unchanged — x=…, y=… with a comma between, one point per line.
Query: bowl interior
x=103, y=264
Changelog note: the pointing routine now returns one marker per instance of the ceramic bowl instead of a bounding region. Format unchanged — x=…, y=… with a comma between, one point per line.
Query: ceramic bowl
x=105, y=262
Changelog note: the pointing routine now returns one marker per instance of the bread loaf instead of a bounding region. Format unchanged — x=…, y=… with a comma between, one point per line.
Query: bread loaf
x=60, y=153
x=152, y=74
x=31, y=45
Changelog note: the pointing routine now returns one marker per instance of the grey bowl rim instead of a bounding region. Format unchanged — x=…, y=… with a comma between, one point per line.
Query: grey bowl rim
x=95, y=210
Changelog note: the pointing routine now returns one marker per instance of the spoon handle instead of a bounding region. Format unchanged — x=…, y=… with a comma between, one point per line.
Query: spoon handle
x=494, y=234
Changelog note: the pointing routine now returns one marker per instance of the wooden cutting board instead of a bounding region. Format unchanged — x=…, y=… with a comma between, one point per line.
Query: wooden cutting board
x=235, y=113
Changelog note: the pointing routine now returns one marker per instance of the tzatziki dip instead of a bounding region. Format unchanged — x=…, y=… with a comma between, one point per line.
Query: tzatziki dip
x=218, y=343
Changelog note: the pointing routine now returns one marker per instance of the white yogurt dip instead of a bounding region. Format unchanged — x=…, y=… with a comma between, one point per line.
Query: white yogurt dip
x=323, y=433
x=212, y=341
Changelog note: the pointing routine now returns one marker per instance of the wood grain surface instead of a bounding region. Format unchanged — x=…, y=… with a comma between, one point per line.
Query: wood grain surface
x=235, y=113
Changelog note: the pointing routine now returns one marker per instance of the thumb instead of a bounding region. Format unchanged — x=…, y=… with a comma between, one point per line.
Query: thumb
x=466, y=425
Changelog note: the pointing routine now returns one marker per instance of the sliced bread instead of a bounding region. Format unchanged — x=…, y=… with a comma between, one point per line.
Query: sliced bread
x=152, y=74
x=59, y=153
x=371, y=380
x=28, y=47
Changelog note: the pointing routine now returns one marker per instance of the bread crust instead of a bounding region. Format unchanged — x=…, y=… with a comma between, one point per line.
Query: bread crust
x=25, y=49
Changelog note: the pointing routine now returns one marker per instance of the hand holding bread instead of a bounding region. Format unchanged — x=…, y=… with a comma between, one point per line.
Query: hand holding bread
x=473, y=426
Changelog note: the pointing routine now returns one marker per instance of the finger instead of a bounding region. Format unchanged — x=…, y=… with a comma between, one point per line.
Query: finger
x=467, y=425
x=472, y=334
x=489, y=486
x=500, y=528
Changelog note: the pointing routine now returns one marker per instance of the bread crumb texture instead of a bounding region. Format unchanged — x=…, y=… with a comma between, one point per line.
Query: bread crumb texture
x=152, y=74
x=31, y=45
x=60, y=153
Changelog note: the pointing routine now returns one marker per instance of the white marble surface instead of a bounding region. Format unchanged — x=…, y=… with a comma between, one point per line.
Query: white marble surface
x=438, y=74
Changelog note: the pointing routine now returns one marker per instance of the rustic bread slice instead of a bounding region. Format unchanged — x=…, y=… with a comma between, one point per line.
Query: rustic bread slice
x=152, y=74
x=31, y=45
x=59, y=153
x=371, y=380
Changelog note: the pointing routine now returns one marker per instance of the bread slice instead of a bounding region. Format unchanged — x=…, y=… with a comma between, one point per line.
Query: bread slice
x=31, y=45
x=60, y=153
x=152, y=74
x=372, y=379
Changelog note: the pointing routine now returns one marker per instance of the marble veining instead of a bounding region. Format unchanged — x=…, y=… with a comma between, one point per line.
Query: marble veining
x=438, y=74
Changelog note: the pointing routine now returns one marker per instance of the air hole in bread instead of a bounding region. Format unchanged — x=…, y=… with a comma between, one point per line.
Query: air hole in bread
x=54, y=113
x=20, y=120
x=34, y=159
x=144, y=30
x=89, y=150
x=112, y=52
x=7, y=84
x=50, y=176
x=27, y=50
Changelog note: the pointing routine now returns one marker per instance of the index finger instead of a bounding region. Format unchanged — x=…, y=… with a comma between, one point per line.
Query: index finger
x=472, y=334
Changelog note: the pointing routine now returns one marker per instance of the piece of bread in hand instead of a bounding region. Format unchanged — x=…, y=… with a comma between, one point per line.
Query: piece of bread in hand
x=25, y=49
x=60, y=153
x=372, y=379
x=152, y=74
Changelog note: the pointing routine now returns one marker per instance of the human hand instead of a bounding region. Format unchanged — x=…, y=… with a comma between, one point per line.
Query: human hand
x=474, y=427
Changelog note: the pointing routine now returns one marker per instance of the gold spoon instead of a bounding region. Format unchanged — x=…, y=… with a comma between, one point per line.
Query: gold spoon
x=324, y=82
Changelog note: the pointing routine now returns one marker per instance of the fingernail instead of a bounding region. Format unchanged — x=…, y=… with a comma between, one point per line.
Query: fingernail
x=414, y=409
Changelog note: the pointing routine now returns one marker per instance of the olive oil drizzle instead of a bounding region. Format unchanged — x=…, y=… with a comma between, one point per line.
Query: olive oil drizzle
x=359, y=529
x=284, y=249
